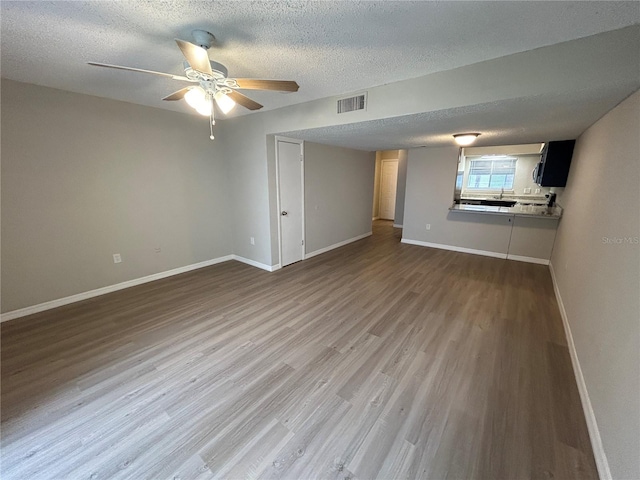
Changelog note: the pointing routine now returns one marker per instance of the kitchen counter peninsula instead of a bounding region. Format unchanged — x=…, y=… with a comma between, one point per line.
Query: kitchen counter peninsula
x=535, y=211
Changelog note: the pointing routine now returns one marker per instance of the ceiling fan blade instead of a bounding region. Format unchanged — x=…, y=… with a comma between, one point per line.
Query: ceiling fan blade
x=278, y=85
x=243, y=100
x=179, y=95
x=197, y=56
x=131, y=69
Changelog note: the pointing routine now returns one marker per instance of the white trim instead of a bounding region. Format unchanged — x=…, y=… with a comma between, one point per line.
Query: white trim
x=520, y=258
x=590, y=417
x=279, y=138
x=486, y=253
x=253, y=263
x=454, y=248
x=41, y=307
x=397, y=225
x=303, y=206
x=337, y=245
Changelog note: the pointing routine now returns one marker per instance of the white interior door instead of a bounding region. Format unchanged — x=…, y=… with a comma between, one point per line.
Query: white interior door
x=291, y=201
x=388, y=185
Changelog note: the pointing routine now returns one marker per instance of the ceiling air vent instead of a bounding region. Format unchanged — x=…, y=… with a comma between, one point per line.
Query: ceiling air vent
x=351, y=104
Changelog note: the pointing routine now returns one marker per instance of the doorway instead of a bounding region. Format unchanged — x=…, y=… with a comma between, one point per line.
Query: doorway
x=388, y=187
x=290, y=189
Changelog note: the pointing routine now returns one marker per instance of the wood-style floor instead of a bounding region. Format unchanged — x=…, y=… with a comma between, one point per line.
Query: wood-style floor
x=376, y=360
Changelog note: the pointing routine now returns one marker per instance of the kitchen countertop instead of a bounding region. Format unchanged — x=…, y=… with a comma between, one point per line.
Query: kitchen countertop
x=540, y=200
x=516, y=210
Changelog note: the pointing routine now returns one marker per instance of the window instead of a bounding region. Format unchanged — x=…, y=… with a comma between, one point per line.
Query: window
x=491, y=174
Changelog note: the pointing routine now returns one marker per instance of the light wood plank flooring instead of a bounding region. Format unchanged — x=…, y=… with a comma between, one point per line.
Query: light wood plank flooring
x=376, y=360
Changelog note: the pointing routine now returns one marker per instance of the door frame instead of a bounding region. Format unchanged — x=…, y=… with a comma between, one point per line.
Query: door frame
x=397, y=162
x=279, y=138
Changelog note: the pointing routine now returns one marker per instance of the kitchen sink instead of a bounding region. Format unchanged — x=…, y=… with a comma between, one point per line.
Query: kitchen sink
x=499, y=203
x=490, y=202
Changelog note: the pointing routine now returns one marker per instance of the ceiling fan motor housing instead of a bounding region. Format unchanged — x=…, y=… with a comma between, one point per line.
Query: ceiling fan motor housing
x=203, y=39
x=219, y=71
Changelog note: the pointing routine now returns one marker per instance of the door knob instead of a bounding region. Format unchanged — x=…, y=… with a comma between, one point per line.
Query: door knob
x=284, y=213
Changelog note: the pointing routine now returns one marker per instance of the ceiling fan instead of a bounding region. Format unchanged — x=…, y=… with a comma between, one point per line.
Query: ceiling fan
x=213, y=83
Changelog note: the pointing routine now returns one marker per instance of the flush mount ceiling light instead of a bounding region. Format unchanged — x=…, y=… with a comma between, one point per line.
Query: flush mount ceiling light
x=211, y=79
x=464, y=139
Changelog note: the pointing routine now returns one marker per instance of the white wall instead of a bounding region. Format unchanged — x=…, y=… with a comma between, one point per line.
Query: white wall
x=598, y=277
x=85, y=177
x=338, y=191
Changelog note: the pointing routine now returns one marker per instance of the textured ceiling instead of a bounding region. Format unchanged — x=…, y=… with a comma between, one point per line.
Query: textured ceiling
x=533, y=119
x=328, y=47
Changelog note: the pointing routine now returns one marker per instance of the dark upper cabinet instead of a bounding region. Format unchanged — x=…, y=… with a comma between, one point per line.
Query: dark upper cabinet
x=553, y=169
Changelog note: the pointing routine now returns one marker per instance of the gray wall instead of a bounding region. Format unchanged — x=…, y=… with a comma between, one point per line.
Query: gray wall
x=533, y=237
x=431, y=174
x=252, y=191
x=376, y=186
x=338, y=191
x=401, y=187
x=599, y=282
x=85, y=177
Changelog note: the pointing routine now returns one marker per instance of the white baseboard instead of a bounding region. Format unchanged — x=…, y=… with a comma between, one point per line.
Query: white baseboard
x=41, y=307
x=592, y=425
x=454, y=248
x=397, y=225
x=337, y=245
x=253, y=263
x=520, y=258
x=486, y=253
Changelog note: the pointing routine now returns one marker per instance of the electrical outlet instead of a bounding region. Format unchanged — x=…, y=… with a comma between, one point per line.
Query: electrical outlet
x=252, y=240
x=157, y=249
x=117, y=258
x=537, y=190
x=527, y=190
x=428, y=226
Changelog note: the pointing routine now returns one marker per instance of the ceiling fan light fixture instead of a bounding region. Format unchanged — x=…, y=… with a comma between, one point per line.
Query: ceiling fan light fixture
x=205, y=108
x=464, y=139
x=225, y=102
x=195, y=97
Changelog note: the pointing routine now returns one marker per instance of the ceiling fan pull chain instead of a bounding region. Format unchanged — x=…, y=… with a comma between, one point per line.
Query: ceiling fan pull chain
x=212, y=122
